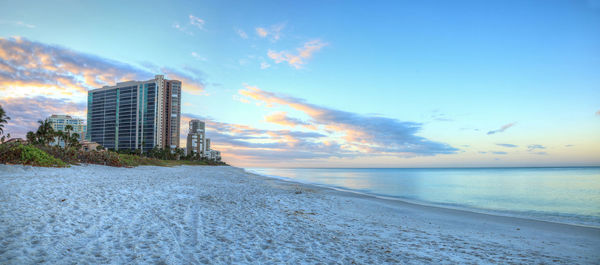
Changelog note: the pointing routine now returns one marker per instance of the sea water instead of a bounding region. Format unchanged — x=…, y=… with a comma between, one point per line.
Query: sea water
x=565, y=195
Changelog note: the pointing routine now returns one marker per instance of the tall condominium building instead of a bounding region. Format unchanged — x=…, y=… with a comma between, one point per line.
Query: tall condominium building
x=59, y=122
x=196, y=138
x=135, y=114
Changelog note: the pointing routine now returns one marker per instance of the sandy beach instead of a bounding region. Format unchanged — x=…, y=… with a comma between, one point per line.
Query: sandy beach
x=224, y=215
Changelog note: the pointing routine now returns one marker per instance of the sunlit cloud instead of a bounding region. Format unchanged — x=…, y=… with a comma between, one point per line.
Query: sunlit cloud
x=298, y=59
x=508, y=145
x=502, y=129
x=32, y=68
x=262, y=32
x=281, y=118
x=247, y=142
x=274, y=31
x=361, y=133
x=598, y=113
x=25, y=112
x=29, y=68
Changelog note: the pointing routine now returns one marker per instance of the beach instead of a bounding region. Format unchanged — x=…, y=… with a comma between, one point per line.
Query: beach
x=225, y=215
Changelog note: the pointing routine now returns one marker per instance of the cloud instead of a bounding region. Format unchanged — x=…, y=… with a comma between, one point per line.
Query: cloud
x=540, y=153
x=361, y=133
x=437, y=116
x=533, y=147
x=498, y=153
x=262, y=32
x=243, y=142
x=281, y=118
x=241, y=33
x=17, y=23
x=193, y=21
x=569, y=145
x=273, y=31
x=264, y=65
x=508, y=145
x=25, y=112
x=598, y=113
x=303, y=53
x=502, y=129
x=198, y=56
x=196, y=21
x=29, y=68
x=181, y=28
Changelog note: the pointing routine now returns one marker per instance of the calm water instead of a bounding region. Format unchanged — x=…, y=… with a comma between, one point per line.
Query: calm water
x=567, y=195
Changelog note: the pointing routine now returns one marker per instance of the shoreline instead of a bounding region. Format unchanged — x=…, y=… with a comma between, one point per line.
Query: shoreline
x=224, y=215
x=461, y=208
x=400, y=202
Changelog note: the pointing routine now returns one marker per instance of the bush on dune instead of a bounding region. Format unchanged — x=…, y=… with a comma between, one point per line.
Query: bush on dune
x=28, y=155
x=55, y=156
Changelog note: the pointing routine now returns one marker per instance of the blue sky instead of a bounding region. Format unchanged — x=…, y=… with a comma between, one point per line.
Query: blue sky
x=426, y=80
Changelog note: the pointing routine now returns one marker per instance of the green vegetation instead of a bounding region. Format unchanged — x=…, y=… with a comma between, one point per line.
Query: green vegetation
x=16, y=153
x=3, y=120
x=39, y=152
x=136, y=160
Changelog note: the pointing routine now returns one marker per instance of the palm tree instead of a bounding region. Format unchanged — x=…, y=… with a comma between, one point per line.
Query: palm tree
x=74, y=141
x=45, y=133
x=4, y=137
x=31, y=138
x=67, y=135
x=60, y=136
x=3, y=119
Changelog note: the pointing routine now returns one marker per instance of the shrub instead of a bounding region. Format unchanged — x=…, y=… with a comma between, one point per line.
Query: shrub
x=28, y=155
x=106, y=158
x=68, y=155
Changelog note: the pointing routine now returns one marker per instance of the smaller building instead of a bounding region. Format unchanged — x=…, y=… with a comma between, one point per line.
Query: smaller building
x=88, y=146
x=198, y=144
x=60, y=122
x=196, y=138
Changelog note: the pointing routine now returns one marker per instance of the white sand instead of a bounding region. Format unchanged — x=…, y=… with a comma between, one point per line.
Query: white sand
x=183, y=215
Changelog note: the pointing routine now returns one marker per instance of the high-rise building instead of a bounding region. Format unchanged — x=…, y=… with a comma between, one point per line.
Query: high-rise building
x=135, y=114
x=59, y=122
x=196, y=138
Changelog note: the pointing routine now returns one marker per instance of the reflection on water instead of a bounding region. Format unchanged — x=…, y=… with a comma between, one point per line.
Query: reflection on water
x=557, y=194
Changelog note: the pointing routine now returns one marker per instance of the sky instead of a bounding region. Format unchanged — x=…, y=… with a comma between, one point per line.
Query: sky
x=329, y=83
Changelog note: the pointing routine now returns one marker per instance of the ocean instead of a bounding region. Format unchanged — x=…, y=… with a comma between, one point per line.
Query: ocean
x=564, y=195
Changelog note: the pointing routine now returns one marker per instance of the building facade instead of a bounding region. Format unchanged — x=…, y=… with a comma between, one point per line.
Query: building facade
x=59, y=122
x=135, y=114
x=198, y=144
x=196, y=138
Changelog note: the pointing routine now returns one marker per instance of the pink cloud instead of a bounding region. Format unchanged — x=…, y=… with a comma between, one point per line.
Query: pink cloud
x=298, y=59
x=30, y=68
x=361, y=133
x=281, y=118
